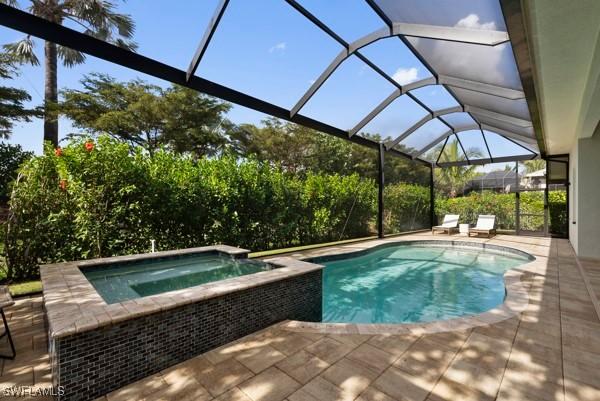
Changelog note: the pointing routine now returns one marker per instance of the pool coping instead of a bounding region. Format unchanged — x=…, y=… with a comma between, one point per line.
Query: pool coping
x=74, y=306
x=515, y=301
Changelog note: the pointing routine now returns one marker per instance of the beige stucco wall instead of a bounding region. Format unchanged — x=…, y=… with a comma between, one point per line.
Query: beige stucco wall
x=587, y=197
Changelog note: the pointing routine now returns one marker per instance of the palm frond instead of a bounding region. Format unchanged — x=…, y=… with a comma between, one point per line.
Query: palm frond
x=22, y=51
x=12, y=3
x=7, y=66
x=474, y=153
x=69, y=56
x=102, y=21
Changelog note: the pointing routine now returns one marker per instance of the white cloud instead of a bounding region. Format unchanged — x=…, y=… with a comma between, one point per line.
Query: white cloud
x=278, y=48
x=312, y=81
x=405, y=75
x=471, y=21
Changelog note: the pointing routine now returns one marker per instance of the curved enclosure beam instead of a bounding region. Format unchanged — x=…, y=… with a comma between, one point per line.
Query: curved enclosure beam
x=388, y=100
x=509, y=134
x=442, y=138
x=481, y=87
x=519, y=122
x=506, y=159
x=378, y=109
x=422, y=122
x=453, y=34
x=433, y=143
x=337, y=61
x=446, y=134
x=419, y=84
x=478, y=36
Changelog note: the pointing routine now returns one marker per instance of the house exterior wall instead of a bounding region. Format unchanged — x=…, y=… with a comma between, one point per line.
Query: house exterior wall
x=573, y=196
x=587, y=198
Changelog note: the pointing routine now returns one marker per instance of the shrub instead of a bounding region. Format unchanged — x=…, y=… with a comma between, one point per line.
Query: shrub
x=557, y=211
x=531, y=204
x=11, y=157
x=95, y=200
x=103, y=199
x=406, y=207
x=476, y=203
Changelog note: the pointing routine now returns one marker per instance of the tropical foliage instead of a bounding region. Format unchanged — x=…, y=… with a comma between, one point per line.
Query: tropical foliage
x=96, y=18
x=452, y=180
x=99, y=199
x=299, y=150
x=503, y=207
x=406, y=208
x=476, y=203
x=12, y=100
x=534, y=165
x=149, y=116
x=103, y=198
x=11, y=157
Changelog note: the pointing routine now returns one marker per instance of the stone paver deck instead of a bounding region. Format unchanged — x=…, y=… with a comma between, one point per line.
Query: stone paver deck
x=550, y=351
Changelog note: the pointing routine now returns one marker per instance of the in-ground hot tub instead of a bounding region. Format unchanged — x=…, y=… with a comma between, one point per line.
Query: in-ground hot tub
x=122, y=281
x=113, y=321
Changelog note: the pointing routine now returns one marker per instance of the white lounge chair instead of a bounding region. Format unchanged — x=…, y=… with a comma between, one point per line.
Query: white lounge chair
x=485, y=225
x=449, y=224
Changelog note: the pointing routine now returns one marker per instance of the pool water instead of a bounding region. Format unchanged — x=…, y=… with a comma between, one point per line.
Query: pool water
x=414, y=283
x=120, y=282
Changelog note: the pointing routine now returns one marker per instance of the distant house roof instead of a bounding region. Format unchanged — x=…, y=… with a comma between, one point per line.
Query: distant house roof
x=538, y=173
x=494, y=180
x=497, y=175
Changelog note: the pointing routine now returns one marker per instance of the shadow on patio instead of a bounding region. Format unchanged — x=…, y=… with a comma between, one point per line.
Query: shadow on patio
x=550, y=352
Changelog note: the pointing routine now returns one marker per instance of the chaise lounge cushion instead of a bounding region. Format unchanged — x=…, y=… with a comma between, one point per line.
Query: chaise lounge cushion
x=450, y=221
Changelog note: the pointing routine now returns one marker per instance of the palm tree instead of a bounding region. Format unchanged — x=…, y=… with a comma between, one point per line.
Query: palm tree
x=534, y=165
x=454, y=178
x=97, y=18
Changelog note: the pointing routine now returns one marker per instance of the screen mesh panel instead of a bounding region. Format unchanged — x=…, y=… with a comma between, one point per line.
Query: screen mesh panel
x=400, y=115
x=474, y=14
x=349, y=94
x=511, y=107
x=494, y=65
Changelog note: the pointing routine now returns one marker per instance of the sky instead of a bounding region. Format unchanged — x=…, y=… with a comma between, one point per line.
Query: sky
x=267, y=49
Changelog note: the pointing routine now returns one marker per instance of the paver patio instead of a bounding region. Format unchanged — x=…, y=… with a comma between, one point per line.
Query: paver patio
x=551, y=351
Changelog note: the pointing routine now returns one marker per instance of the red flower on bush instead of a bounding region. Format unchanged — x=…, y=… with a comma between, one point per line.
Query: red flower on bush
x=63, y=185
x=58, y=152
x=89, y=146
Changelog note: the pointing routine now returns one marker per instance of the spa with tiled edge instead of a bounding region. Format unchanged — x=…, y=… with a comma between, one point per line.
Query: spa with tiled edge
x=99, y=343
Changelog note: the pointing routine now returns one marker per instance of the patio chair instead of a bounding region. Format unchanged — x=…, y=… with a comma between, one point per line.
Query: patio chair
x=449, y=224
x=485, y=225
x=5, y=301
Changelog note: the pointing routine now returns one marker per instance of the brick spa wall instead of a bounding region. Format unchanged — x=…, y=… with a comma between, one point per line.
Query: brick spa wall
x=93, y=363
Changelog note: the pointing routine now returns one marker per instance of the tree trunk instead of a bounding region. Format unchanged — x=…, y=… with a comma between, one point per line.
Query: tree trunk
x=50, y=94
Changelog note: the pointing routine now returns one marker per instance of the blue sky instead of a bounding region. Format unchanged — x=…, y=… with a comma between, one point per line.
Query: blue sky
x=267, y=49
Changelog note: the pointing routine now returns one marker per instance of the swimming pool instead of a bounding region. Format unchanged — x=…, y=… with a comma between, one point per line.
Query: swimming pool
x=123, y=281
x=414, y=282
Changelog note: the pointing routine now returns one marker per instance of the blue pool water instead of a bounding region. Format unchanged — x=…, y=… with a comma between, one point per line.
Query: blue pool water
x=414, y=283
x=123, y=281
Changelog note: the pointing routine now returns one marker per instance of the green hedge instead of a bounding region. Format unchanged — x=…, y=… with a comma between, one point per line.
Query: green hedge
x=96, y=200
x=102, y=199
x=503, y=206
x=469, y=207
x=406, y=208
x=557, y=212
